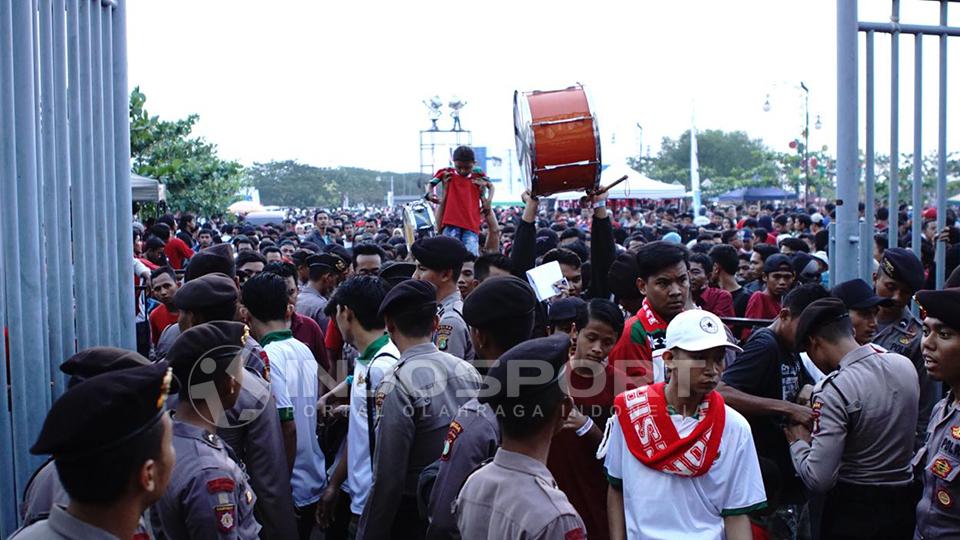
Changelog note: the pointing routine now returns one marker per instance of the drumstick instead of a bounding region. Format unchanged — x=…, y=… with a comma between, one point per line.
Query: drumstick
x=605, y=189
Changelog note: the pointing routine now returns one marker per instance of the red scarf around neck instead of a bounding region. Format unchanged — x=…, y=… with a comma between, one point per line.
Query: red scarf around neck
x=653, y=439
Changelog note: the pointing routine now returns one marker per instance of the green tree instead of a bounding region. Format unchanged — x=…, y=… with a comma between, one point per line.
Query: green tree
x=195, y=178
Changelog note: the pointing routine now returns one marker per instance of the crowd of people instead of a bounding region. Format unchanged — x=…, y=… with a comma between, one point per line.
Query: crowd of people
x=692, y=377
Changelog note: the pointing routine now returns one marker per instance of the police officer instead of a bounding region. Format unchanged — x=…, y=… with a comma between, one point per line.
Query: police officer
x=859, y=450
x=208, y=495
x=501, y=314
x=901, y=275
x=439, y=259
x=938, y=514
x=110, y=440
x=416, y=402
x=515, y=496
x=255, y=438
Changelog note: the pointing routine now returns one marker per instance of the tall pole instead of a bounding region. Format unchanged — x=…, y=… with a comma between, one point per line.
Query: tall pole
x=806, y=143
x=847, y=231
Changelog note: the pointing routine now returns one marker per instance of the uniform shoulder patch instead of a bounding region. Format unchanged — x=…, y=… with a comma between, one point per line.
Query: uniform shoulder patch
x=443, y=336
x=941, y=468
x=226, y=517
x=955, y=432
x=223, y=483
x=817, y=405
x=455, y=430
x=575, y=534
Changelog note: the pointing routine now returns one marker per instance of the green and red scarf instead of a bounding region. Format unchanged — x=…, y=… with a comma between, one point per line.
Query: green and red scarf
x=653, y=439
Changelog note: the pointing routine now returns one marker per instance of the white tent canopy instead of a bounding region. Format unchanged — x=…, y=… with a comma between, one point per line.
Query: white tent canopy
x=637, y=186
x=145, y=189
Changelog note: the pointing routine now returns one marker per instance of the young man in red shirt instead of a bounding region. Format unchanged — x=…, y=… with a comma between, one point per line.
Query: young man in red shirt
x=778, y=277
x=163, y=283
x=176, y=251
x=465, y=190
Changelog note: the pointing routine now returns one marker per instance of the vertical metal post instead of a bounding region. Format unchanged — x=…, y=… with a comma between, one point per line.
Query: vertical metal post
x=941, y=253
x=87, y=230
x=847, y=151
x=917, y=202
x=832, y=253
x=866, y=233
x=121, y=164
x=78, y=175
x=893, y=228
x=105, y=309
x=111, y=285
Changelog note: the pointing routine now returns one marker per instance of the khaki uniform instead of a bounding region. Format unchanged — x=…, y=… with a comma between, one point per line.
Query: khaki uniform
x=515, y=496
x=938, y=514
x=453, y=334
x=416, y=403
x=903, y=337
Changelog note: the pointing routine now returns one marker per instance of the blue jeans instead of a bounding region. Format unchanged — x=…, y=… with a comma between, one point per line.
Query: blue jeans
x=470, y=239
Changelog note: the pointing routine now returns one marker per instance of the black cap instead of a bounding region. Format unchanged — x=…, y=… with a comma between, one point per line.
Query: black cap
x=776, y=263
x=409, y=295
x=497, y=299
x=903, y=265
x=326, y=263
x=98, y=360
x=439, y=252
x=817, y=315
x=205, y=291
x=216, y=258
x=566, y=309
x=339, y=251
x=539, y=359
x=622, y=277
x=463, y=153
x=396, y=272
x=217, y=340
x=858, y=294
x=941, y=305
x=105, y=411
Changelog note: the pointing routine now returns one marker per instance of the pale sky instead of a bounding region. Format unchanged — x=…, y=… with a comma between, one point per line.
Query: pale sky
x=342, y=83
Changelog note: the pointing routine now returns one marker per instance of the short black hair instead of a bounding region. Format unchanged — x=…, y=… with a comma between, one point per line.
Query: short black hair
x=103, y=477
x=185, y=219
x=797, y=299
x=268, y=249
x=795, y=244
x=265, y=297
x=249, y=257
x=765, y=250
x=605, y=311
x=363, y=295
x=725, y=256
x=368, y=248
x=703, y=260
x=572, y=232
x=157, y=272
x=833, y=331
x=161, y=231
x=318, y=212
x=282, y=269
x=527, y=420
x=728, y=235
x=562, y=256
x=655, y=256
x=415, y=323
x=481, y=267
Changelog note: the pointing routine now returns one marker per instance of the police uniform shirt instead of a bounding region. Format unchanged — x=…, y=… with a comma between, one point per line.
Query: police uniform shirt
x=416, y=403
x=453, y=335
x=43, y=492
x=903, y=337
x=310, y=303
x=473, y=437
x=208, y=495
x=938, y=514
x=62, y=526
x=515, y=496
x=864, y=416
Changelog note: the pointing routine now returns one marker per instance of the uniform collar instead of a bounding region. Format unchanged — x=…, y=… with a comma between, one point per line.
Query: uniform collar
x=451, y=298
x=310, y=290
x=279, y=335
x=857, y=354
x=417, y=350
x=190, y=431
x=68, y=526
x=515, y=461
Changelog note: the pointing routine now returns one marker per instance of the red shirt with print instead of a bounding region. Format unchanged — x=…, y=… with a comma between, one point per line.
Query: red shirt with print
x=462, y=208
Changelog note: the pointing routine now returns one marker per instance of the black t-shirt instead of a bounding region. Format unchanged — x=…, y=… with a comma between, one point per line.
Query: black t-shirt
x=740, y=299
x=766, y=369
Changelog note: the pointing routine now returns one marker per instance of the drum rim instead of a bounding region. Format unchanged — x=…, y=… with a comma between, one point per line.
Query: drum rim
x=521, y=106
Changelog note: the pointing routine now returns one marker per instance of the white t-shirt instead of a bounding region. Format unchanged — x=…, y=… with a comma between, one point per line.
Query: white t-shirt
x=659, y=505
x=359, y=473
x=293, y=377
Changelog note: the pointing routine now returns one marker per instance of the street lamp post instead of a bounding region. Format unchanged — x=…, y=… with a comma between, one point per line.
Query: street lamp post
x=806, y=143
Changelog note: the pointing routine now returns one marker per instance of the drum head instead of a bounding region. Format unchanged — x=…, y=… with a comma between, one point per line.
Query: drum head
x=523, y=134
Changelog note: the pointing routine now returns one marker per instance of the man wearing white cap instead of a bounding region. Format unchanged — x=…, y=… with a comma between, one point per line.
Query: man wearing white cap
x=681, y=464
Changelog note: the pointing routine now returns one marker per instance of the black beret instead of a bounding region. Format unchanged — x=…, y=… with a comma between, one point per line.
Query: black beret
x=499, y=298
x=104, y=412
x=942, y=305
x=409, y=295
x=858, y=294
x=622, y=276
x=816, y=315
x=396, y=272
x=216, y=258
x=205, y=291
x=339, y=251
x=439, y=252
x=777, y=262
x=536, y=379
x=326, y=263
x=98, y=360
x=566, y=309
x=903, y=265
x=218, y=340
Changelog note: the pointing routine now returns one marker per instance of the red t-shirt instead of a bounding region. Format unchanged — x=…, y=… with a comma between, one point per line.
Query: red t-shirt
x=760, y=306
x=463, y=204
x=717, y=301
x=632, y=345
x=332, y=337
x=177, y=252
x=573, y=462
x=308, y=332
x=160, y=319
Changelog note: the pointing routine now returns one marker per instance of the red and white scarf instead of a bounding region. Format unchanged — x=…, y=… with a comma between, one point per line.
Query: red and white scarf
x=653, y=439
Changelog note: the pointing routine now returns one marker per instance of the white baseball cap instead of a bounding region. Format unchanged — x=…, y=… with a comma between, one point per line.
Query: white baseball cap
x=697, y=330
